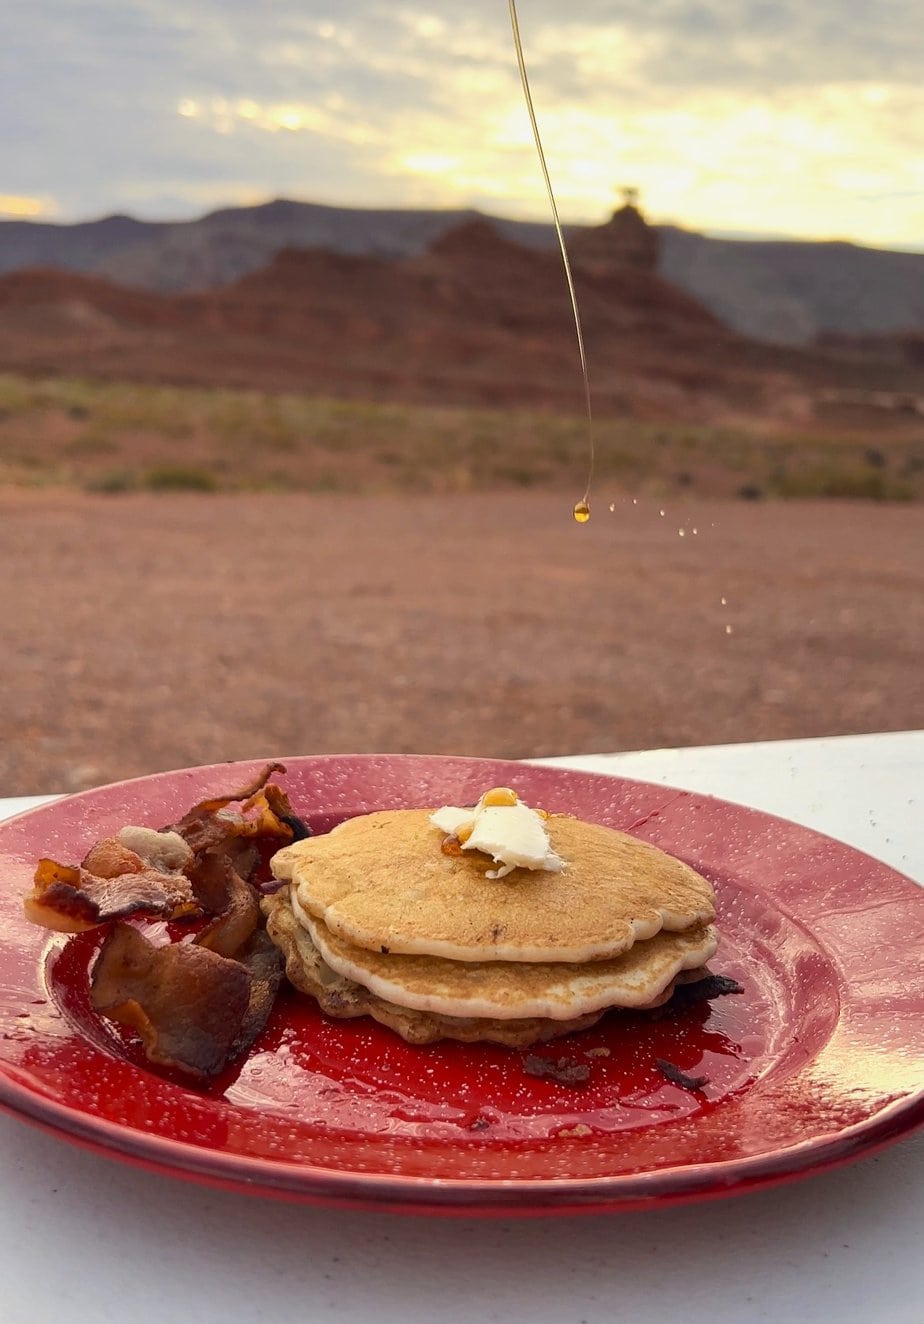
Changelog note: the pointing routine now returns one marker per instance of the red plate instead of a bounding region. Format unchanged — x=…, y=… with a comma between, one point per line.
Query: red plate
x=819, y=1060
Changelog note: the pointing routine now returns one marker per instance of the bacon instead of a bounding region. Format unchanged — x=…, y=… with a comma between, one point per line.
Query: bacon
x=109, y=858
x=262, y=811
x=69, y=898
x=187, y=1004
x=194, y=1009
x=115, y=881
x=199, y=1003
x=224, y=894
x=266, y=965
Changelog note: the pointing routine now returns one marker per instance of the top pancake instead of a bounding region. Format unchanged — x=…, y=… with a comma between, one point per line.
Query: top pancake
x=381, y=881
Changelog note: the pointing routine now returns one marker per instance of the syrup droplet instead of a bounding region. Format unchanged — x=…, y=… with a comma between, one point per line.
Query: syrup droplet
x=581, y=512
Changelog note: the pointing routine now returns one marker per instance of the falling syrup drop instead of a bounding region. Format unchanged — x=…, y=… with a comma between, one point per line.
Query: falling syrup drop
x=581, y=512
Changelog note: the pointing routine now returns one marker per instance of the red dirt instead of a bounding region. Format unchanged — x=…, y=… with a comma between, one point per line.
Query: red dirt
x=149, y=632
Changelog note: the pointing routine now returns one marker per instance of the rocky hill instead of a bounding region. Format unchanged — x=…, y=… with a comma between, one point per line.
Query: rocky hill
x=787, y=293
x=477, y=319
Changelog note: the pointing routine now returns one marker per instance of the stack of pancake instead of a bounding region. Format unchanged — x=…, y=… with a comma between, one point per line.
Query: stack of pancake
x=377, y=918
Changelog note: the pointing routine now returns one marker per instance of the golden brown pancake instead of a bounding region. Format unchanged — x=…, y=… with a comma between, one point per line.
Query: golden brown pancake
x=381, y=880
x=507, y=990
x=343, y=998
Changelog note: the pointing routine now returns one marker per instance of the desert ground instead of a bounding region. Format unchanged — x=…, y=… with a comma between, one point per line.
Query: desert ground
x=150, y=630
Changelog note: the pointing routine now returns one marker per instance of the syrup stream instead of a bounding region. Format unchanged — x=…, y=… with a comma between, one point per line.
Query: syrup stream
x=582, y=507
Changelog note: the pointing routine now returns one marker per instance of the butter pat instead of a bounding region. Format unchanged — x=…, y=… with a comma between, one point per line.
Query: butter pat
x=502, y=826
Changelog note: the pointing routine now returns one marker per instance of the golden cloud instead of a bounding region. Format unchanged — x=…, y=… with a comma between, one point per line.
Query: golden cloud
x=21, y=207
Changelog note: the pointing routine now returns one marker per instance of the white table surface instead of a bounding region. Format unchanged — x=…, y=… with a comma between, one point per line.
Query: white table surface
x=86, y=1239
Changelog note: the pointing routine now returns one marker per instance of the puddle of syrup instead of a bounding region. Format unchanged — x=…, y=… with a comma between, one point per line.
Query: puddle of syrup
x=354, y=1077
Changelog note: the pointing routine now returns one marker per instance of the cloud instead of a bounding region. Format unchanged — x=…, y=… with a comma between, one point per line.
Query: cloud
x=16, y=206
x=728, y=114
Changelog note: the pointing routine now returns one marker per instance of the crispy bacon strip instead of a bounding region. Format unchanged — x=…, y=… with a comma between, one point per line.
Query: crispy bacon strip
x=196, y=1004
x=261, y=811
x=244, y=793
x=266, y=964
x=114, y=881
x=194, y=1009
x=224, y=894
x=69, y=898
x=188, y=1004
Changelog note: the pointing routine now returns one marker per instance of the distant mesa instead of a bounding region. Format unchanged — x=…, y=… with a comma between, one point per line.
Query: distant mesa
x=476, y=254
x=476, y=238
x=626, y=240
x=779, y=292
x=464, y=315
x=475, y=319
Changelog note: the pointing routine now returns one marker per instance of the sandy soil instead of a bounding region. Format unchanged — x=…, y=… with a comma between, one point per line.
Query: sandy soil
x=147, y=632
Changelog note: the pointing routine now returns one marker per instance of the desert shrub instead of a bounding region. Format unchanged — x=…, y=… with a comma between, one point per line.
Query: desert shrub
x=520, y=475
x=848, y=484
x=91, y=443
x=180, y=478
x=326, y=480
x=114, y=482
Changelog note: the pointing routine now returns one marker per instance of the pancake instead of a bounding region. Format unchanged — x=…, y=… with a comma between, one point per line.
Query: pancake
x=507, y=990
x=381, y=880
x=343, y=998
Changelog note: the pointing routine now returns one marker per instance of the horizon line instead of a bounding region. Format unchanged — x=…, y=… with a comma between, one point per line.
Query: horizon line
x=707, y=232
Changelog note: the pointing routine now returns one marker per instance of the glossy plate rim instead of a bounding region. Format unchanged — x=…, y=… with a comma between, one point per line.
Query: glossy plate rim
x=496, y=1196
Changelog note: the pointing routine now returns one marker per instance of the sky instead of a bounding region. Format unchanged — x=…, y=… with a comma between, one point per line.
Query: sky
x=763, y=117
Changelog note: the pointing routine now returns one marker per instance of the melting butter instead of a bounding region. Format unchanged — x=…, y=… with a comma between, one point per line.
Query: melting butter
x=502, y=826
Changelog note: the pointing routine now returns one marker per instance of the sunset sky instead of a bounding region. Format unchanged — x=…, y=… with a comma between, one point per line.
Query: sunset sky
x=730, y=116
